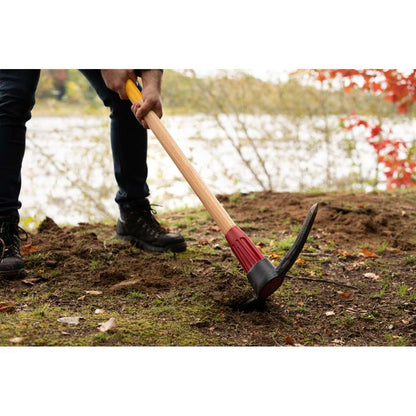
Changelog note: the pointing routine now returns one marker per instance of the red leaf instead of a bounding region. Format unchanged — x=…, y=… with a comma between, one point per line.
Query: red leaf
x=289, y=340
x=367, y=253
x=29, y=249
x=375, y=131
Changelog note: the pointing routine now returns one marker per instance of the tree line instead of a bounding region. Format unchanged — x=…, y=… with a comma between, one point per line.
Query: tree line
x=184, y=92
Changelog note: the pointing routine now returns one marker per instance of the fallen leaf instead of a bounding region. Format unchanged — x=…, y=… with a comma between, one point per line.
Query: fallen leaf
x=71, y=320
x=343, y=253
x=372, y=276
x=108, y=326
x=65, y=333
x=345, y=295
x=273, y=256
x=367, y=253
x=99, y=311
x=94, y=292
x=300, y=261
x=329, y=313
x=16, y=340
x=289, y=340
x=7, y=306
x=29, y=249
x=214, y=228
x=82, y=297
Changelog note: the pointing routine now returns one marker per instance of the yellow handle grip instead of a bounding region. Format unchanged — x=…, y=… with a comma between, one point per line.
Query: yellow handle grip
x=133, y=92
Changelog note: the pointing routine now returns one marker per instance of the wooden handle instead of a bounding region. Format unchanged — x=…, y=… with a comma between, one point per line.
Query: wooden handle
x=217, y=211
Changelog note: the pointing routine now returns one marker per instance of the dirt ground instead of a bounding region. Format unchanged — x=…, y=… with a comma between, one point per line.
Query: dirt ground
x=353, y=285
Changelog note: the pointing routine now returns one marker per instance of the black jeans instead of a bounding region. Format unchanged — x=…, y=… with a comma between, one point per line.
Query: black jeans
x=128, y=138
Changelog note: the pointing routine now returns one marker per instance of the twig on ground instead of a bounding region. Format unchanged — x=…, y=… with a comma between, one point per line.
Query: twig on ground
x=316, y=254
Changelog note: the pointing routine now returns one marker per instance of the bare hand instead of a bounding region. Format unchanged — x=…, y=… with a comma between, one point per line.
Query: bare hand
x=152, y=99
x=115, y=80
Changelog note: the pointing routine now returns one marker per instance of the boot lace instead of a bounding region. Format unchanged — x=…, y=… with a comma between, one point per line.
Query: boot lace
x=143, y=222
x=151, y=223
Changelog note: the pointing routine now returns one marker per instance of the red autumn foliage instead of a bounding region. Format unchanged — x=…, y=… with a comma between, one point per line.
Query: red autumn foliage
x=395, y=86
x=398, y=160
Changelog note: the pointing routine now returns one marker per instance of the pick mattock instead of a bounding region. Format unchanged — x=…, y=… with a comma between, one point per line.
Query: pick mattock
x=263, y=276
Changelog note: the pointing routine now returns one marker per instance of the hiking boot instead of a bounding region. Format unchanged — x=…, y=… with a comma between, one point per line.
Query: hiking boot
x=11, y=262
x=139, y=226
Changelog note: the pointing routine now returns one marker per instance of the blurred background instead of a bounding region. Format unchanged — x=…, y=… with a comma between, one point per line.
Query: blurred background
x=243, y=131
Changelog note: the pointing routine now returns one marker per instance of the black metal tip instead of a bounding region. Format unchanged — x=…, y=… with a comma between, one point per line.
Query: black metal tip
x=300, y=241
x=254, y=304
x=264, y=277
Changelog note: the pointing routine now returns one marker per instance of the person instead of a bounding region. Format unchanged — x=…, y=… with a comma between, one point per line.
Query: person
x=136, y=222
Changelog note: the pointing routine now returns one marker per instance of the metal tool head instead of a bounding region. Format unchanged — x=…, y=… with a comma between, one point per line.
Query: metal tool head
x=264, y=277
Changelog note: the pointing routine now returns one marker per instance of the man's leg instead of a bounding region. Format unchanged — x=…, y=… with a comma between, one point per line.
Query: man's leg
x=129, y=147
x=128, y=144
x=17, y=98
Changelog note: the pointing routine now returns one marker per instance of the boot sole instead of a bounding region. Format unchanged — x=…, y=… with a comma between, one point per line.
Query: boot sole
x=13, y=274
x=175, y=248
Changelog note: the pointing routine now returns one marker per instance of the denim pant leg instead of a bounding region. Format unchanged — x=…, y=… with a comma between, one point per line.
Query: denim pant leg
x=17, y=98
x=128, y=144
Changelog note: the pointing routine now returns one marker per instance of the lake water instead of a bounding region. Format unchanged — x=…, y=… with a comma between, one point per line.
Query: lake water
x=68, y=175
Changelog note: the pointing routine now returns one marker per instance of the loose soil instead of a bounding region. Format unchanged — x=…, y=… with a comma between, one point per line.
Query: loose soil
x=354, y=284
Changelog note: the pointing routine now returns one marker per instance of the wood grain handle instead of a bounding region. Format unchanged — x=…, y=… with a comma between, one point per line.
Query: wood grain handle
x=210, y=202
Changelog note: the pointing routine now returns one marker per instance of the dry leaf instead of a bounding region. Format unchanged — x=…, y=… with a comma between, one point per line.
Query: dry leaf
x=273, y=256
x=16, y=340
x=345, y=295
x=29, y=249
x=82, y=297
x=7, y=306
x=289, y=340
x=329, y=313
x=108, y=326
x=367, y=253
x=94, y=292
x=343, y=253
x=372, y=276
x=71, y=320
x=300, y=261
x=99, y=311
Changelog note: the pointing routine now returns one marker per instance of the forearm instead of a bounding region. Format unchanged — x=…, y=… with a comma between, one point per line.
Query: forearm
x=152, y=78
